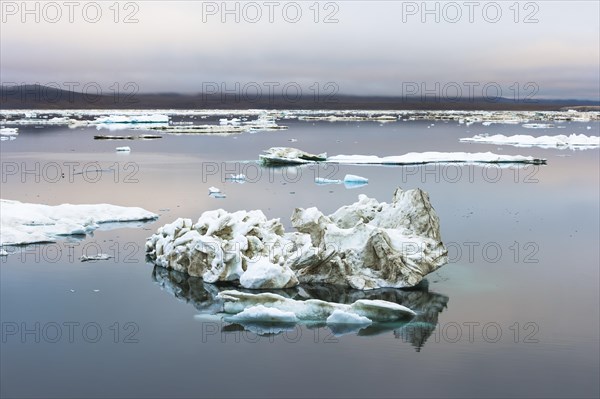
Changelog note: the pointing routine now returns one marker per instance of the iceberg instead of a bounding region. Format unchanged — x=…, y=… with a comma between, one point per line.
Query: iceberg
x=291, y=156
x=25, y=223
x=366, y=245
x=123, y=149
x=573, y=141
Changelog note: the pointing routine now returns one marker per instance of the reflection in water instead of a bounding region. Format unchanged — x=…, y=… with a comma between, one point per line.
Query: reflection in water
x=428, y=305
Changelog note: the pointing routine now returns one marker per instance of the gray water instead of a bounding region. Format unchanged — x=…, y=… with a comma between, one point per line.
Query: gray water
x=514, y=314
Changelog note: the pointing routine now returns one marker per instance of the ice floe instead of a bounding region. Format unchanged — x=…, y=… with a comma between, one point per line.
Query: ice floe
x=131, y=119
x=291, y=156
x=349, y=181
x=365, y=245
x=91, y=258
x=123, y=149
x=8, y=133
x=25, y=223
x=538, y=126
x=573, y=141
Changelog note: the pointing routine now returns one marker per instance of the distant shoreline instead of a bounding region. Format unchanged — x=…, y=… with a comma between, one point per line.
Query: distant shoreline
x=48, y=98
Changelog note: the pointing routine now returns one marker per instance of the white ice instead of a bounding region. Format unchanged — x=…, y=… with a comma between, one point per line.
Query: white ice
x=25, y=223
x=86, y=258
x=131, y=119
x=573, y=141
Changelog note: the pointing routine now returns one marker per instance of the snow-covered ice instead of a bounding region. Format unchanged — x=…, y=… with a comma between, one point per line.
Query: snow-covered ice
x=90, y=258
x=131, y=119
x=365, y=245
x=25, y=223
x=291, y=156
x=573, y=141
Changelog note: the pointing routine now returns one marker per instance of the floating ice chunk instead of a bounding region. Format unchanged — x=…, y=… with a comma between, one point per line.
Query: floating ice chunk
x=41, y=121
x=123, y=149
x=291, y=156
x=538, y=125
x=240, y=178
x=233, y=121
x=574, y=141
x=215, y=192
x=286, y=155
x=9, y=131
x=262, y=274
x=416, y=158
x=264, y=314
x=353, y=181
x=322, y=180
x=341, y=317
x=85, y=258
x=3, y=252
x=132, y=119
x=23, y=223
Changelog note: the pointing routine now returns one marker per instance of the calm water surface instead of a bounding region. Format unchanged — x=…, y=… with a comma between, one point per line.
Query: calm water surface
x=515, y=312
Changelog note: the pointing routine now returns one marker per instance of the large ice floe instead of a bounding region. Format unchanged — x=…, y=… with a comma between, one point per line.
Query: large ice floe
x=572, y=142
x=292, y=156
x=23, y=223
x=365, y=245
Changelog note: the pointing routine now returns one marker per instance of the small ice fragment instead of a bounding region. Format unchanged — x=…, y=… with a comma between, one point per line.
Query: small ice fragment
x=355, y=179
x=293, y=140
x=213, y=190
x=217, y=195
x=96, y=290
x=85, y=258
x=3, y=252
x=322, y=180
x=123, y=149
x=237, y=178
x=72, y=290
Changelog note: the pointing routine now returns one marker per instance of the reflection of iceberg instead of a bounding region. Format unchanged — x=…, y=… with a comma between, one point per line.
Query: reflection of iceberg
x=291, y=156
x=205, y=298
x=365, y=245
x=574, y=141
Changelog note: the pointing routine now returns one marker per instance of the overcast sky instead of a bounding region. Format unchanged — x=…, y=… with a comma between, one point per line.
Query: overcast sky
x=375, y=47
